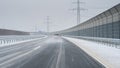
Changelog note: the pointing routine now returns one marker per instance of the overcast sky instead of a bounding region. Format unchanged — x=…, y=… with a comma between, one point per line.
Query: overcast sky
x=30, y=15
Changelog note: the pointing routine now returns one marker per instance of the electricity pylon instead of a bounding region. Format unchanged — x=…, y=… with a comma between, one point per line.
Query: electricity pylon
x=48, y=27
x=79, y=9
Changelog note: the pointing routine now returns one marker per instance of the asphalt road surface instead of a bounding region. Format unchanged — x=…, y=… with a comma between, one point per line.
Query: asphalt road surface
x=51, y=52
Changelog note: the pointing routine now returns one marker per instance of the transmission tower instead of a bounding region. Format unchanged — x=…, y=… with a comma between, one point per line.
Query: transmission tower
x=79, y=9
x=48, y=23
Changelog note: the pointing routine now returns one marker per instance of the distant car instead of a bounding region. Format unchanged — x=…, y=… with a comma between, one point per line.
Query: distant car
x=57, y=34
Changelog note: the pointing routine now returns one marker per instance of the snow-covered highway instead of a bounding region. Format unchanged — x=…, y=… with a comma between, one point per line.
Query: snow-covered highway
x=50, y=52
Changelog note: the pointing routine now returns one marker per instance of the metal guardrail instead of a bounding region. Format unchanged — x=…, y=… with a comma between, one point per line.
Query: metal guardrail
x=106, y=41
x=13, y=39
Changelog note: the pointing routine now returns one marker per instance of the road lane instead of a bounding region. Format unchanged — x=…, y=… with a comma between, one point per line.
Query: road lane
x=55, y=52
x=77, y=58
x=18, y=47
x=8, y=53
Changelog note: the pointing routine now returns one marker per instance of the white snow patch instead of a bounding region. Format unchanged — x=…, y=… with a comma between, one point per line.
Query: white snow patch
x=109, y=56
x=18, y=42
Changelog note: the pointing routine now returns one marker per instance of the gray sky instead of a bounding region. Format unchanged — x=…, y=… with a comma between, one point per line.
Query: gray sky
x=30, y=15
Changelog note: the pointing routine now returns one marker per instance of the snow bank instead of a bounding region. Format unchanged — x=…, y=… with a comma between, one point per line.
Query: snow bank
x=7, y=41
x=108, y=56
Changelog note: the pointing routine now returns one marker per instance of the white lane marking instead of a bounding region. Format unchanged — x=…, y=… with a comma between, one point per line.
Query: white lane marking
x=37, y=48
x=72, y=59
x=10, y=49
x=59, y=55
x=15, y=58
x=9, y=56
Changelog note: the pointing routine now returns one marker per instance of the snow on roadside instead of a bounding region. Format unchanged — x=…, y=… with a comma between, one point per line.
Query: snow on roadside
x=108, y=56
x=18, y=42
